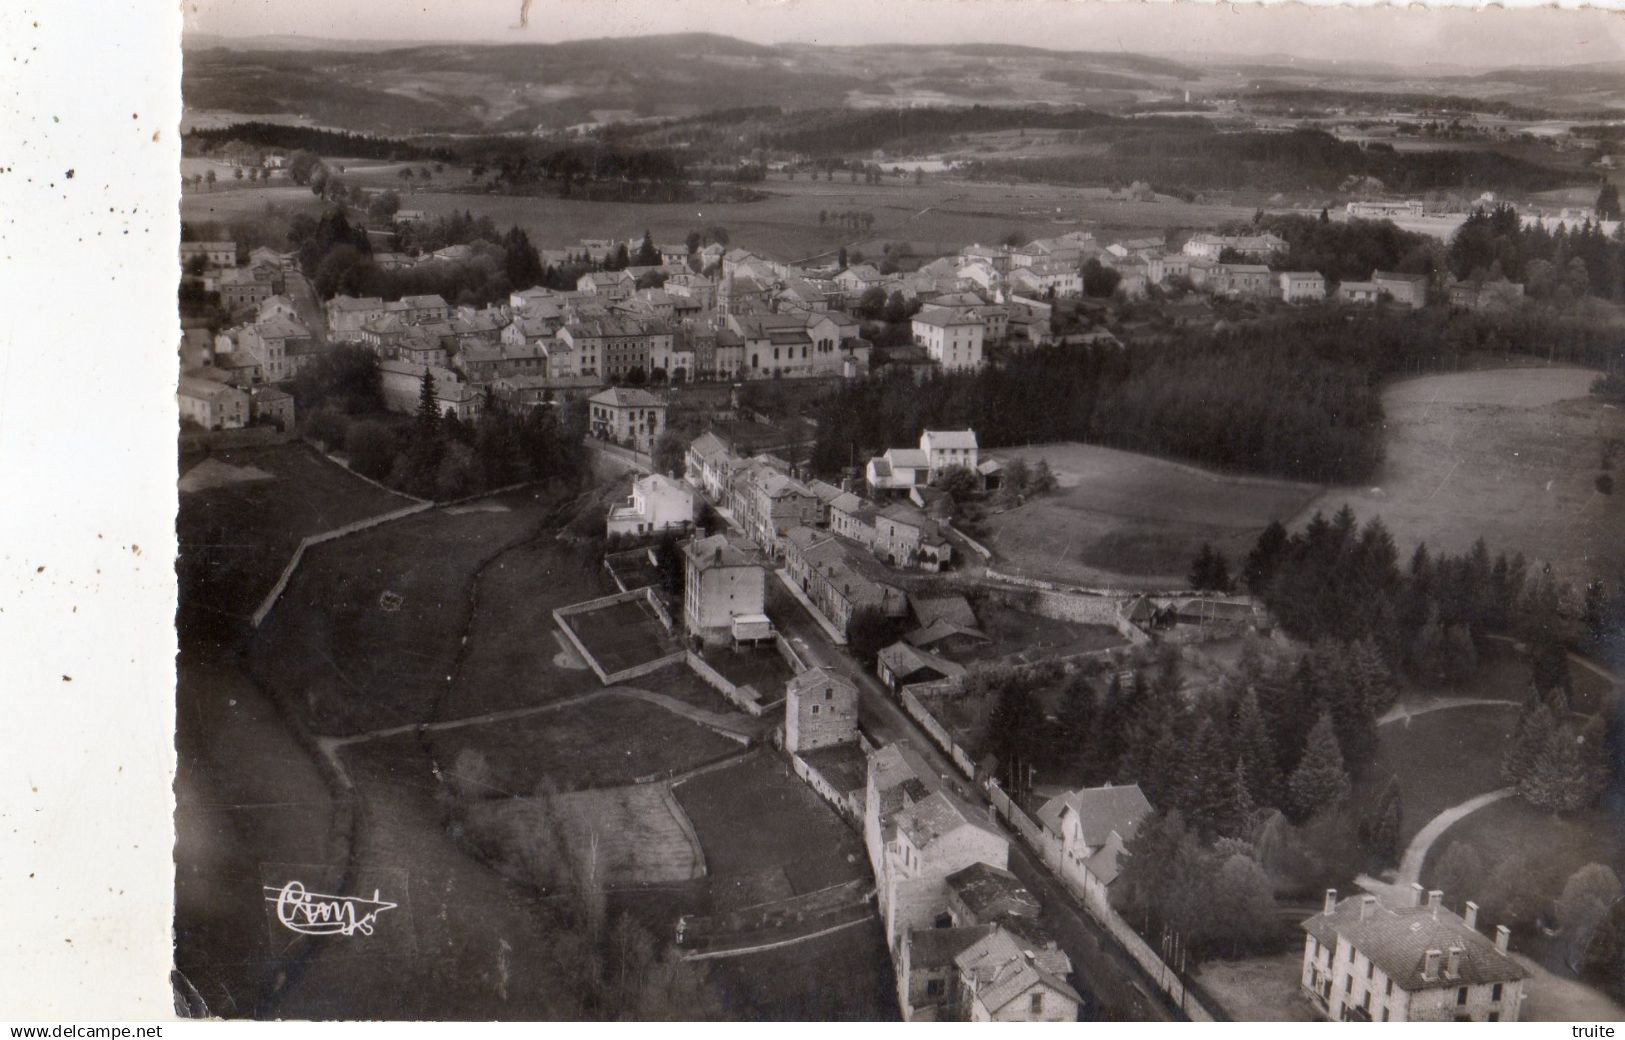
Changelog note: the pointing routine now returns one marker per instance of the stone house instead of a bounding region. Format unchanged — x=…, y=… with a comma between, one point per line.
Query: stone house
x=1365, y=961
x=820, y=710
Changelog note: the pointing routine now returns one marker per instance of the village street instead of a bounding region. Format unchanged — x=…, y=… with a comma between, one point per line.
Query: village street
x=1115, y=987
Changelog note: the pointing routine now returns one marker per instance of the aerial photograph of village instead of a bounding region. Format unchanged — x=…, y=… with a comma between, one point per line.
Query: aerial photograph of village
x=933, y=522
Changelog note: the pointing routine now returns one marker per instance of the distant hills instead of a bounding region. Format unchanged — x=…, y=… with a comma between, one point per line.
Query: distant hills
x=406, y=88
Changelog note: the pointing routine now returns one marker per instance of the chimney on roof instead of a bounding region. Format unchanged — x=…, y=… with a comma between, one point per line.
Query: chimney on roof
x=1435, y=899
x=1430, y=965
x=1331, y=901
x=1368, y=906
x=1471, y=914
x=1416, y=894
x=1502, y=935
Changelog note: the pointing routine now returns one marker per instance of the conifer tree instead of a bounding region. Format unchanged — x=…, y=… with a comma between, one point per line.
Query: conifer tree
x=1077, y=719
x=1529, y=742
x=1319, y=779
x=1255, y=751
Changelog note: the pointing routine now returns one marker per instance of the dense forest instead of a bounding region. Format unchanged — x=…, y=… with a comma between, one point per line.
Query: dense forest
x=1560, y=265
x=1319, y=420
x=1196, y=157
x=1347, y=250
x=284, y=137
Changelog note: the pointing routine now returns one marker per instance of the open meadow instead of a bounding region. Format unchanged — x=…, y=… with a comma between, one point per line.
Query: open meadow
x=607, y=741
x=1510, y=455
x=938, y=216
x=243, y=512
x=796, y=843
x=1119, y=519
x=370, y=629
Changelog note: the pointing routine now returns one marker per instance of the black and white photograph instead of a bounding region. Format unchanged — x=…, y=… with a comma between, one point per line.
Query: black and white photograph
x=932, y=512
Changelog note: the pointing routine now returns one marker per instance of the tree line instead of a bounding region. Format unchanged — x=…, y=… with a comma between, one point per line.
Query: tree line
x=1561, y=266
x=1195, y=399
x=1347, y=250
x=286, y=137
x=437, y=456
x=1322, y=421
x=1197, y=157
x=1261, y=766
x=1338, y=580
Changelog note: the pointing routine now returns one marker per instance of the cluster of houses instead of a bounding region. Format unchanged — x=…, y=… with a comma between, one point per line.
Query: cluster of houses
x=838, y=547
x=962, y=931
x=726, y=314
x=227, y=377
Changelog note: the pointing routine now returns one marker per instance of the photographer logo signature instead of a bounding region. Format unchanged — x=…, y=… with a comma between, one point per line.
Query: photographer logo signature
x=313, y=913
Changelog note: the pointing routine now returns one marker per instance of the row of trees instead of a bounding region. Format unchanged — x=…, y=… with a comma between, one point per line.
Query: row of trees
x=337, y=257
x=437, y=455
x=1289, y=735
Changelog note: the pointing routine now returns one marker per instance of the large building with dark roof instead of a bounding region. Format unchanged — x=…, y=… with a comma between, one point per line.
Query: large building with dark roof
x=1366, y=961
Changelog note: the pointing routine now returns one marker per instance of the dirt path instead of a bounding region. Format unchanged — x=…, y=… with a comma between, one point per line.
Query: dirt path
x=1404, y=713
x=505, y=715
x=721, y=725
x=743, y=951
x=1397, y=892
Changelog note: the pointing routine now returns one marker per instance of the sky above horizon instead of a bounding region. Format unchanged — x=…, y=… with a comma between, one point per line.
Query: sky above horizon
x=1407, y=36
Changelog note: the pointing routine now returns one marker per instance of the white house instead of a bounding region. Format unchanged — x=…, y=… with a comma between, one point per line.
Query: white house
x=720, y=584
x=900, y=469
x=657, y=503
x=1359, y=292
x=1364, y=961
x=1094, y=823
x=1302, y=286
x=213, y=406
x=953, y=339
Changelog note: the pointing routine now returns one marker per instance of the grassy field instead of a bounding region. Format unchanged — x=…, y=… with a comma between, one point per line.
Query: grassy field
x=1544, y=849
x=938, y=216
x=608, y=741
x=347, y=661
x=1259, y=989
x=1122, y=519
x=639, y=833
x=842, y=977
x=236, y=202
x=761, y=667
x=515, y=656
x=766, y=835
x=237, y=535
x=1442, y=759
x=621, y=635
x=1509, y=455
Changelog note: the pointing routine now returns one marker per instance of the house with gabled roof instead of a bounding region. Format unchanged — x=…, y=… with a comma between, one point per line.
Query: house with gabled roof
x=902, y=664
x=708, y=465
x=627, y=415
x=1093, y=824
x=1001, y=980
x=925, y=842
